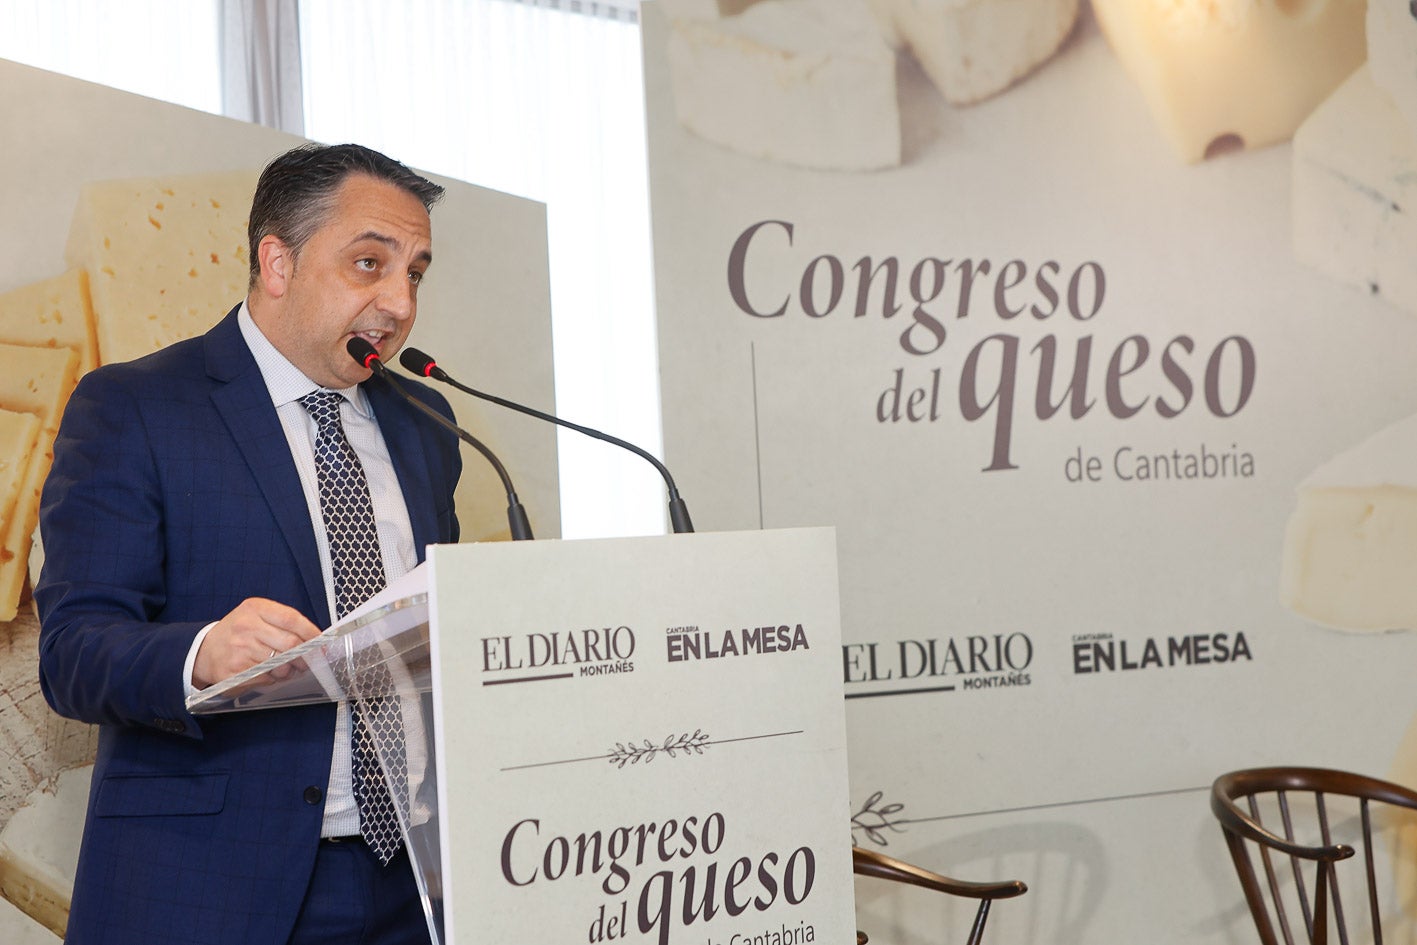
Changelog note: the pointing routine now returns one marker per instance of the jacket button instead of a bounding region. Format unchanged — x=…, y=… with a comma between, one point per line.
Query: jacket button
x=313, y=795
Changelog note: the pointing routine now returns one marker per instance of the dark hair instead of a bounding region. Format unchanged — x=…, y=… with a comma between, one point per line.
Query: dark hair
x=296, y=190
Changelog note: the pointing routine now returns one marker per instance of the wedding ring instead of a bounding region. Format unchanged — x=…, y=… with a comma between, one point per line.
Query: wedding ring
x=273, y=654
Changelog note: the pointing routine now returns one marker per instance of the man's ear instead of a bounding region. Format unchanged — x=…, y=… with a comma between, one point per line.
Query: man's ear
x=277, y=265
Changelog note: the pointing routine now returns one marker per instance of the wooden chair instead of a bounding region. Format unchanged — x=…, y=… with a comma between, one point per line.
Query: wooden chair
x=880, y=866
x=1315, y=818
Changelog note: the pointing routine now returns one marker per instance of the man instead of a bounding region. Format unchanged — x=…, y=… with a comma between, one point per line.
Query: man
x=203, y=513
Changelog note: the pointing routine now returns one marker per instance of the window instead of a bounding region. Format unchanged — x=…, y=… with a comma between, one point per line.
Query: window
x=544, y=104
x=164, y=49
x=532, y=98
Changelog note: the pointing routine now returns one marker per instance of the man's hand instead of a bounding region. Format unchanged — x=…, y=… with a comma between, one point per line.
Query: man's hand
x=257, y=629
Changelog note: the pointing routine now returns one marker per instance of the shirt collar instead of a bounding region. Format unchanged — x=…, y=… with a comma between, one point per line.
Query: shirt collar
x=286, y=382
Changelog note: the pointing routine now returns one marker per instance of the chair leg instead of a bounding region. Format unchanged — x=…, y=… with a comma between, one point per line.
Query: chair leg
x=976, y=934
x=1321, y=888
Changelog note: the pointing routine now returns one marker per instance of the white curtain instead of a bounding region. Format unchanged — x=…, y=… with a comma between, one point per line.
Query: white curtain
x=548, y=105
x=260, y=74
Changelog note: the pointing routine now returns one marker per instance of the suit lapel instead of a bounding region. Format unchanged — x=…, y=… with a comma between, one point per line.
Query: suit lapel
x=402, y=432
x=244, y=402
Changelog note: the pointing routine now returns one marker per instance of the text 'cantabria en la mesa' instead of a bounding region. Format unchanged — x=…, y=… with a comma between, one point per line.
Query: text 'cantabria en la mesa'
x=661, y=876
x=1064, y=373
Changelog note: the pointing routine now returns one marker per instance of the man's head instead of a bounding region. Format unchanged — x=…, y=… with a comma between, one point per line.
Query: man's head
x=295, y=191
x=340, y=239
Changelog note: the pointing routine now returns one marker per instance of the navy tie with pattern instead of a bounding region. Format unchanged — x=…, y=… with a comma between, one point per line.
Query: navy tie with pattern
x=358, y=567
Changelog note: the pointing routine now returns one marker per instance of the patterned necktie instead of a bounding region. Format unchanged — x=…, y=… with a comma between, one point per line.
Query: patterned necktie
x=358, y=567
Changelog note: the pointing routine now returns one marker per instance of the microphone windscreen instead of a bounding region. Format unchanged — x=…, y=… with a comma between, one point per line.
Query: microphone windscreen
x=417, y=362
x=362, y=351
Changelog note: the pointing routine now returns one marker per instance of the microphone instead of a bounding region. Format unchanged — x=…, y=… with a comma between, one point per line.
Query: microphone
x=417, y=362
x=365, y=353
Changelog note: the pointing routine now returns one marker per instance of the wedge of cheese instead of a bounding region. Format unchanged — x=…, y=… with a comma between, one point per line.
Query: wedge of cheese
x=166, y=257
x=17, y=928
x=1399, y=828
x=1223, y=74
x=1355, y=189
x=54, y=313
x=972, y=49
x=704, y=9
x=805, y=82
x=36, y=562
x=18, y=433
x=39, y=848
x=1350, y=548
x=36, y=381
x=1392, y=54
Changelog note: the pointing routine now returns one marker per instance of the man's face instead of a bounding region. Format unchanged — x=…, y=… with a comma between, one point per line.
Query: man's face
x=357, y=275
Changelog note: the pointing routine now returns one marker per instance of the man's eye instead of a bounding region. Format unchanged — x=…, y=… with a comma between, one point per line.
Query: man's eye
x=415, y=277
x=368, y=265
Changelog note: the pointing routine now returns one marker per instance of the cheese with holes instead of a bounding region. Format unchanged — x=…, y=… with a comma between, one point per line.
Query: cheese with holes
x=54, y=313
x=1350, y=548
x=166, y=257
x=1218, y=74
x=36, y=381
x=36, y=560
x=18, y=433
x=1355, y=192
x=1392, y=54
x=805, y=82
x=972, y=49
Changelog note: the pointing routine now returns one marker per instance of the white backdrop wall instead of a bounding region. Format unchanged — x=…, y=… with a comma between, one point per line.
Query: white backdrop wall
x=1060, y=447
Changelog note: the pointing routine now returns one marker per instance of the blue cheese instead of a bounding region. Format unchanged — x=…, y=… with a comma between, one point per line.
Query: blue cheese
x=1392, y=54
x=1355, y=187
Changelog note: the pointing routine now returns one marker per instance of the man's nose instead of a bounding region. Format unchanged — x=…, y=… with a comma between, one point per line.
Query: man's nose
x=399, y=298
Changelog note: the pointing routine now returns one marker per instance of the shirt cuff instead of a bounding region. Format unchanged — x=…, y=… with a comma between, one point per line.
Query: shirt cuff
x=189, y=689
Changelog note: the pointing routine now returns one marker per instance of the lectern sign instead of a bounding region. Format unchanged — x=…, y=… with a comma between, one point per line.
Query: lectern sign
x=642, y=740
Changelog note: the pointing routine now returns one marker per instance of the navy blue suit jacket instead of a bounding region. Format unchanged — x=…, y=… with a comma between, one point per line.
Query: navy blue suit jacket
x=173, y=497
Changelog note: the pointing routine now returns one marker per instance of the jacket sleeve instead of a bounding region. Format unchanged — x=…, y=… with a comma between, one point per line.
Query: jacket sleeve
x=104, y=655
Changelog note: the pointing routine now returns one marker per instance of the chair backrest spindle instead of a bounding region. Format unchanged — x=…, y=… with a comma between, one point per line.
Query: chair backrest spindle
x=1334, y=808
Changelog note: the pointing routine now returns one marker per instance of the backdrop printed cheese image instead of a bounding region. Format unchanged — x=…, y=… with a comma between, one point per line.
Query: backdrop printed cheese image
x=1350, y=548
x=1401, y=826
x=153, y=262
x=1057, y=385
x=163, y=256
x=1355, y=169
x=1233, y=74
x=813, y=83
